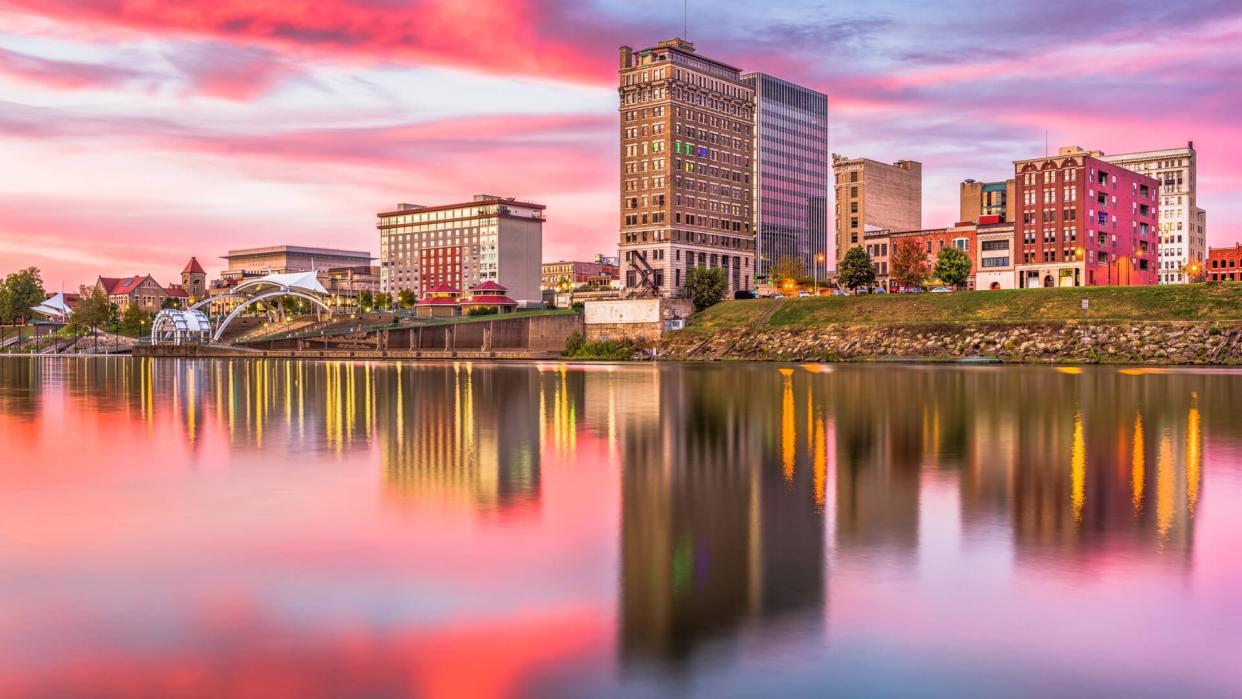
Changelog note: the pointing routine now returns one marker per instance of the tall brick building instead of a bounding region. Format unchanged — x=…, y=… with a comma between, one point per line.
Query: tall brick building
x=1082, y=221
x=875, y=195
x=687, y=132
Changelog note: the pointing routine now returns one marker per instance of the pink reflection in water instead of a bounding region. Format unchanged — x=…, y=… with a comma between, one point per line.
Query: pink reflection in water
x=302, y=529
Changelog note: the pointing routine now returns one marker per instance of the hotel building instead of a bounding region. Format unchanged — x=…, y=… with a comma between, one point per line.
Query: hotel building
x=790, y=174
x=871, y=193
x=979, y=199
x=1183, y=234
x=1085, y=222
x=687, y=128
x=487, y=239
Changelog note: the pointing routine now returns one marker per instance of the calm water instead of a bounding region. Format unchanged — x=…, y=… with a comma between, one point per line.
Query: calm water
x=271, y=529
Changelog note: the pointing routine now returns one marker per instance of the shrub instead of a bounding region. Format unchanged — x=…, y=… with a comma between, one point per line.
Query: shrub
x=706, y=287
x=573, y=343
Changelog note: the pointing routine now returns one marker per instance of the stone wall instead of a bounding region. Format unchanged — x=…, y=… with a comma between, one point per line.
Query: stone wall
x=1061, y=342
x=632, y=319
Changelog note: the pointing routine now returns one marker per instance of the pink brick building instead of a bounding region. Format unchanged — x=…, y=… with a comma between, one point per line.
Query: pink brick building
x=1081, y=221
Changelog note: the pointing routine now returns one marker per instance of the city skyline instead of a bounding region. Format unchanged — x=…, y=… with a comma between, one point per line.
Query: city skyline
x=151, y=134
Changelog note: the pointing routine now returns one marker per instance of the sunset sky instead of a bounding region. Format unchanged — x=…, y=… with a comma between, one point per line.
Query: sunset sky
x=136, y=133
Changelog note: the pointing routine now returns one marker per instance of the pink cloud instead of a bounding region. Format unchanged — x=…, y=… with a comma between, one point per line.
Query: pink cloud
x=500, y=36
x=66, y=74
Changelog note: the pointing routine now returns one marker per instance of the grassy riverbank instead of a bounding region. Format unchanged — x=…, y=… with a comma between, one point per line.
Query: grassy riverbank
x=1208, y=302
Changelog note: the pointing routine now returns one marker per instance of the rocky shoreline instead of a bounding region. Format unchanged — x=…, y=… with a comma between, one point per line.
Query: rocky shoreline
x=1069, y=342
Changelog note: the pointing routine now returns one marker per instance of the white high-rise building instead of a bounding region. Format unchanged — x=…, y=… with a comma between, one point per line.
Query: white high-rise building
x=1183, y=225
x=491, y=238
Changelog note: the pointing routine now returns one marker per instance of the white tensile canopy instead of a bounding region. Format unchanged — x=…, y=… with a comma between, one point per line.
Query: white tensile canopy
x=300, y=281
x=54, y=307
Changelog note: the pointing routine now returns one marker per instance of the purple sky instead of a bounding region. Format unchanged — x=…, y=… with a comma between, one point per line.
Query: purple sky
x=136, y=133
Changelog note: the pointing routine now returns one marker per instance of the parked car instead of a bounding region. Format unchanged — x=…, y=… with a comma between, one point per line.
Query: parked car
x=941, y=290
x=840, y=292
x=880, y=290
x=804, y=294
x=777, y=296
x=742, y=294
x=909, y=290
x=862, y=290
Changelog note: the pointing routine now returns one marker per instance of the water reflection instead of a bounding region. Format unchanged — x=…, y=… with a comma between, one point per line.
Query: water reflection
x=722, y=516
x=716, y=507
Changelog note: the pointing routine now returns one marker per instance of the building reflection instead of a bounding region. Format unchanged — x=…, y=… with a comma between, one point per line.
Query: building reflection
x=444, y=432
x=467, y=432
x=722, y=522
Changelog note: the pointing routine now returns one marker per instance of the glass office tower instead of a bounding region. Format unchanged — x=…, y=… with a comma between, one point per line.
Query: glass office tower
x=790, y=174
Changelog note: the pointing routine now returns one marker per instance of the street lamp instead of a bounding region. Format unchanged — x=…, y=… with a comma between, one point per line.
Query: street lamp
x=819, y=260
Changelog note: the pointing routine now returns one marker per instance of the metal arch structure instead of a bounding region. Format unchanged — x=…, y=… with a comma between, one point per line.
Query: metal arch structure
x=265, y=296
x=175, y=326
x=302, y=285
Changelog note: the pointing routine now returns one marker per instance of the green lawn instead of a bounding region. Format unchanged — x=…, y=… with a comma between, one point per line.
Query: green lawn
x=1213, y=301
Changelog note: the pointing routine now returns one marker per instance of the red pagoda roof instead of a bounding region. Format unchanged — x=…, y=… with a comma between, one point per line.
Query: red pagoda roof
x=489, y=300
x=445, y=289
x=488, y=285
x=193, y=267
x=437, y=301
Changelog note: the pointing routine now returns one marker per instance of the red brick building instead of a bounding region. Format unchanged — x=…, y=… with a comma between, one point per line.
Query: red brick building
x=933, y=240
x=1224, y=264
x=440, y=266
x=1081, y=221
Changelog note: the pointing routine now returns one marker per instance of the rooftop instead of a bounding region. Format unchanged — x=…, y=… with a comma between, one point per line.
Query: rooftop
x=296, y=250
x=478, y=200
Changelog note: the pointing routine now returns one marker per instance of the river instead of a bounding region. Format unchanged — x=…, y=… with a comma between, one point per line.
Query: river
x=285, y=528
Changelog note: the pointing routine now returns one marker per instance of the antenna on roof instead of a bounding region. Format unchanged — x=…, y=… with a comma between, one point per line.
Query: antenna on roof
x=685, y=14
x=1045, y=143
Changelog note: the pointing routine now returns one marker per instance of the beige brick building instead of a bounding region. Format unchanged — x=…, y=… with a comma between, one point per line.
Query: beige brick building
x=687, y=132
x=874, y=194
x=979, y=199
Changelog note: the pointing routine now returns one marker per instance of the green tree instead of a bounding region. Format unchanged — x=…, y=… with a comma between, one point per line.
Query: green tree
x=366, y=300
x=785, y=273
x=857, y=271
x=908, y=264
x=406, y=298
x=952, y=267
x=94, y=310
x=293, y=305
x=383, y=301
x=705, y=286
x=134, y=321
x=171, y=302
x=21, y=291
